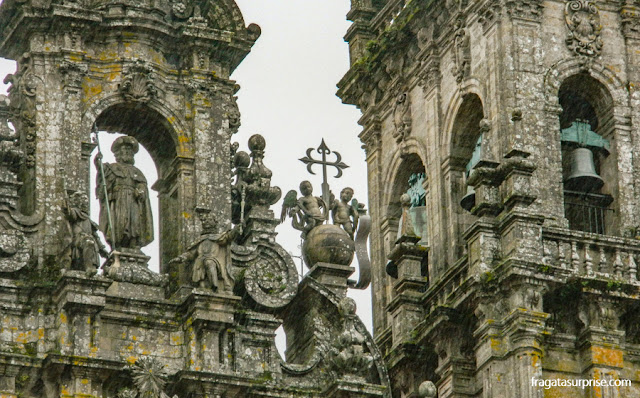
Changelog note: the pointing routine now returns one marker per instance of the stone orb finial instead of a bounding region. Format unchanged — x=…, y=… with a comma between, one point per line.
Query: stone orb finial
x=257, y=143
x=242, y=159
x=427, y=390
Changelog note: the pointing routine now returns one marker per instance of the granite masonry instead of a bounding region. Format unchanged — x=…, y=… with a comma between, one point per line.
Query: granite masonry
x=73, y=324
x=513, y=128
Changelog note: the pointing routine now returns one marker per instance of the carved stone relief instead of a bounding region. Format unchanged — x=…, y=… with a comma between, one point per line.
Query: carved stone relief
x=402, y=117
x=137, y=82
x=583, y=20
x=461, y=51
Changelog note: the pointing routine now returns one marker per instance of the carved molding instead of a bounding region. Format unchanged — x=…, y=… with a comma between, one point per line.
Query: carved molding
x=137, y=82
x=529, y=10
x=583, y=20
x=630, y=21
x=490, y=14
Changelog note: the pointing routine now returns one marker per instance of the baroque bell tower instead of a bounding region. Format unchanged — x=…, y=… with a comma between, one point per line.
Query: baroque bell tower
x=502, y=142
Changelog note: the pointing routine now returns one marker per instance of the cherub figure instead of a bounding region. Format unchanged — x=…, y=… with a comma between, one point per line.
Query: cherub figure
x=345, y=213
x=85, y=246
x=210, y=255
x=307, y=212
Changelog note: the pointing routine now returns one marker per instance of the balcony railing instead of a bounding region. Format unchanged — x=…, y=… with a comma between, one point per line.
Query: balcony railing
x=587, y=211
x=591, y=255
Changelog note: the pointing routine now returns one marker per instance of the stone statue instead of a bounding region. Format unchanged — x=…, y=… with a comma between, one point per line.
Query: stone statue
x=85, y=244
x=307, y=212
x=345, y=213
x=128, y=195
x=211, y=255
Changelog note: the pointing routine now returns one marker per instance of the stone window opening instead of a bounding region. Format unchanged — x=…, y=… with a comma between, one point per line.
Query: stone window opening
x=589, y=170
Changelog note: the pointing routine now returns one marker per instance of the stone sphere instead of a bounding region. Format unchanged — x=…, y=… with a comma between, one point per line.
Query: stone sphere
x=328, y=243
x=242, y=159
x=257, y=142
x=427, y=390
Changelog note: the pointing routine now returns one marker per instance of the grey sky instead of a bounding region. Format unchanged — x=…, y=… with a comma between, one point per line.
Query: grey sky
x=288, y=95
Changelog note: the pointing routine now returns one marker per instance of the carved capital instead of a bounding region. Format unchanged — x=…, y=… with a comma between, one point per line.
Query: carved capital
x=583, y=21
x=72, y=74
x=490, y=14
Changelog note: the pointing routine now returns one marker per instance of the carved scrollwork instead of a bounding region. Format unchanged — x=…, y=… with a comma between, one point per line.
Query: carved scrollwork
x=270, y=277
x=137, y=83
x=583, y=20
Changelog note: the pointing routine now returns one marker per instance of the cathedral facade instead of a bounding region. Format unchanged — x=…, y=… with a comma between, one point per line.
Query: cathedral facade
x=82, y=319
x=502, y=141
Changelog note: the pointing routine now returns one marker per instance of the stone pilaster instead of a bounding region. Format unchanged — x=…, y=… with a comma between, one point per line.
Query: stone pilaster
x=208, y=316
x=406, y=308
x=79, y=299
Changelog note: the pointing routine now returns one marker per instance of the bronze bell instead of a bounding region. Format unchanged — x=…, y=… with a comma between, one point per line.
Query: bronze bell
x=469, y=200
x=583, y=176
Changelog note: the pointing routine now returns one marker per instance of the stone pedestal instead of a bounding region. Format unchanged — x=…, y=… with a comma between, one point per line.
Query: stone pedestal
x=208, y=315
x=124, y=266
x=79, y=298
x=333, y=276
x=405, y=307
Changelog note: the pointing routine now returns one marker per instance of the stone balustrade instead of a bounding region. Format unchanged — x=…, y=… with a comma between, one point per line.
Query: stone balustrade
x=591, y=255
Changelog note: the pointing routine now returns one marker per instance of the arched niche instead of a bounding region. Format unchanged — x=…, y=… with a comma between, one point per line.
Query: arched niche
x=465, y=131
x=584, y=99
x=155, y=133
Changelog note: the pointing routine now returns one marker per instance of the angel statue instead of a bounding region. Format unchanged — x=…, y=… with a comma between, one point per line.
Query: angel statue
x=307, y=212
x=346, y=212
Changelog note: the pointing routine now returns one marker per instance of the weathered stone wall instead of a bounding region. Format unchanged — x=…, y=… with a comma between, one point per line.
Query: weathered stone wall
x=500, y=69
x=158, y=73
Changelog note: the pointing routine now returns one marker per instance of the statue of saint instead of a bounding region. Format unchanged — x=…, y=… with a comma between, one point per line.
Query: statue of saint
x=211, y=255
x=129, y=205
x=84, y=245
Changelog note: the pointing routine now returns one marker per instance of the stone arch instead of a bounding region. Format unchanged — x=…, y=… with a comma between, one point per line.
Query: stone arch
x=410, y=160
x=564, y=69
x=471, y=87
x=462, y=129
x=168, y=142
x=578, y=91
x=167, y=118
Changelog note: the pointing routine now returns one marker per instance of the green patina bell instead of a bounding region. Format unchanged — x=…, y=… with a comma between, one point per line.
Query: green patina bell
x=583, y=176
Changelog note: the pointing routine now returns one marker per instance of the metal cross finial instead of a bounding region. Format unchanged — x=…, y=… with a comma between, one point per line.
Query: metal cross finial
x=338, y=164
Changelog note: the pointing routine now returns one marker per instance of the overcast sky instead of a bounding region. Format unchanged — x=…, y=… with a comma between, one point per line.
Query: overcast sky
x=288, y=85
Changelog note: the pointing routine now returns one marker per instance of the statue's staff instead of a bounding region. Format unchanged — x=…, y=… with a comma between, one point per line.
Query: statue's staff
x=103, y=181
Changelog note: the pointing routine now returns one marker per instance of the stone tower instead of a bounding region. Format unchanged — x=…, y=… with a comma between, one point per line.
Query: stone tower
x=513, y=126
x=204, y=326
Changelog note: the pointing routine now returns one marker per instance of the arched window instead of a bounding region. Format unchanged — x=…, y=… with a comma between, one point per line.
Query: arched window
x=589, y=175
